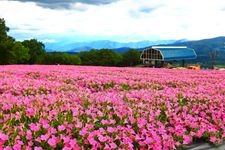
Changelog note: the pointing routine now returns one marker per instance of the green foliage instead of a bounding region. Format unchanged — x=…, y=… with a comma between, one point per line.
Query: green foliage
x=108, y=85
x=125, y=87
x=59, y=58
x=102, y=57
x=11, y=51
x=131, y=58
x=7, y=55
x=162, y=117
x=3, y=30
x=36, y=49
x=21, y=53
x=182, y=102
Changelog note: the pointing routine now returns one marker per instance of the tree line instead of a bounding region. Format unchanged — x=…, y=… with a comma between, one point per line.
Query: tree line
x=33, y=52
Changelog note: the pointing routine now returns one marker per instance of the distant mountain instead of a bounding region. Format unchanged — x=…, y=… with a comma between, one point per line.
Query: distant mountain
x=85, y=46
x=204, y=47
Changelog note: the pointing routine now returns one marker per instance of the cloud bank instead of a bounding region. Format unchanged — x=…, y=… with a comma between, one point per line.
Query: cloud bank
x=66, y=4
x=118, y=20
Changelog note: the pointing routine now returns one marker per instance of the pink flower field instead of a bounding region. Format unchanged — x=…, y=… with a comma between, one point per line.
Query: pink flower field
x=79, y=107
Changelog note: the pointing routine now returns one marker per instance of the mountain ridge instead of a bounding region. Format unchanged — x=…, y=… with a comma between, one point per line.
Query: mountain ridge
x=85, y=46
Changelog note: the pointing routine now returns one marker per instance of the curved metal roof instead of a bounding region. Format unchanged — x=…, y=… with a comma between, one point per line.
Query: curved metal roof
x=176, y=52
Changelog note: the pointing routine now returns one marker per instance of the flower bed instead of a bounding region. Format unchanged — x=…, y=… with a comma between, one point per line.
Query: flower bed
x=79, y=107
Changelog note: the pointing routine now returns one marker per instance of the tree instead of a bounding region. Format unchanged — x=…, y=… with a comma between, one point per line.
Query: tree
x=107, y=57
x=89, y=57
x=102, y=57
x=21, y=53
x=131, y=58
x=3, y=30
x=36, y=49
x=5, y=43
x=6, y=50
x=13, y=52
x=213, y=55
x=60, y=58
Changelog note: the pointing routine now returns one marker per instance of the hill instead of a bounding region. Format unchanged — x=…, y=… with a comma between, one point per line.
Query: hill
x=204, y=47
x=86, y=46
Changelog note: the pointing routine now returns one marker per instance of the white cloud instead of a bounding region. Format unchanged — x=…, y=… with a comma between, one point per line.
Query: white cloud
x=124, y=20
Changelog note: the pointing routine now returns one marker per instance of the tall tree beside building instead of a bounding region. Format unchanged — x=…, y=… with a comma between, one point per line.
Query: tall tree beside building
x=131, y=58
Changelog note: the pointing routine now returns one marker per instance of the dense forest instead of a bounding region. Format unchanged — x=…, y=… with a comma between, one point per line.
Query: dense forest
x=33, y=52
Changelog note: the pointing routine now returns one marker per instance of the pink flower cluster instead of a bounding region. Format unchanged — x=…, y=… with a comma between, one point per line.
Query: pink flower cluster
x=79, y=107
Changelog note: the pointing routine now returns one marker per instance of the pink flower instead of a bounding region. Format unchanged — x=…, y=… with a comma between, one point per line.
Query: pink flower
x=30, y=143
x=141, y=122
x=38, y=148
x=107, y=147
x=66, y=148
x=79, y=125
x=187, y=139
x=110, y=129
x=92, y=141
x=19, y=142
x=193, y=125
x=223, y=135
x=4, y=137
x=7, y=148
x=75, y=112
x=61, y=127
x=66, y=139
x=28, y=148
x=213, y=139
x=7, y=106
x=132, y=120
x=113, y=145
x=73, y=144
x=104, y=121
x=148, y=140
x=83, y=131
x=52, y=141
x=17, y=147
x=46, y=125
x=102, y=138
x=112, y=121
x=44, y=137
x=30, y=112
x=34, y=127
x=100, y=114
x=53, y=130
x=29, y=135
x=21, y=133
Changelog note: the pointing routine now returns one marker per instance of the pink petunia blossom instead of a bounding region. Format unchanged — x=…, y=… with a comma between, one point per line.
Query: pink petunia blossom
x=52, y=141
x=213, y=139
x=7, y=148
x=110, y=129
x=113, y=145
x=38, y=148
x=61, y=127
x=187, y=139
x=4, y=137
x=34, y=127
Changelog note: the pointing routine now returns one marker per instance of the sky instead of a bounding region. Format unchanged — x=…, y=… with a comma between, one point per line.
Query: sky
x=53, y=21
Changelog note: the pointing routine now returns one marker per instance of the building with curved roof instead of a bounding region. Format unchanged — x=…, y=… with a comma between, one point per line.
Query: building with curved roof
x=161, y=54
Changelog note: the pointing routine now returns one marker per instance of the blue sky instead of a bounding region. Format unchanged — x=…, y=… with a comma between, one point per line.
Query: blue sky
x=117, y=20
